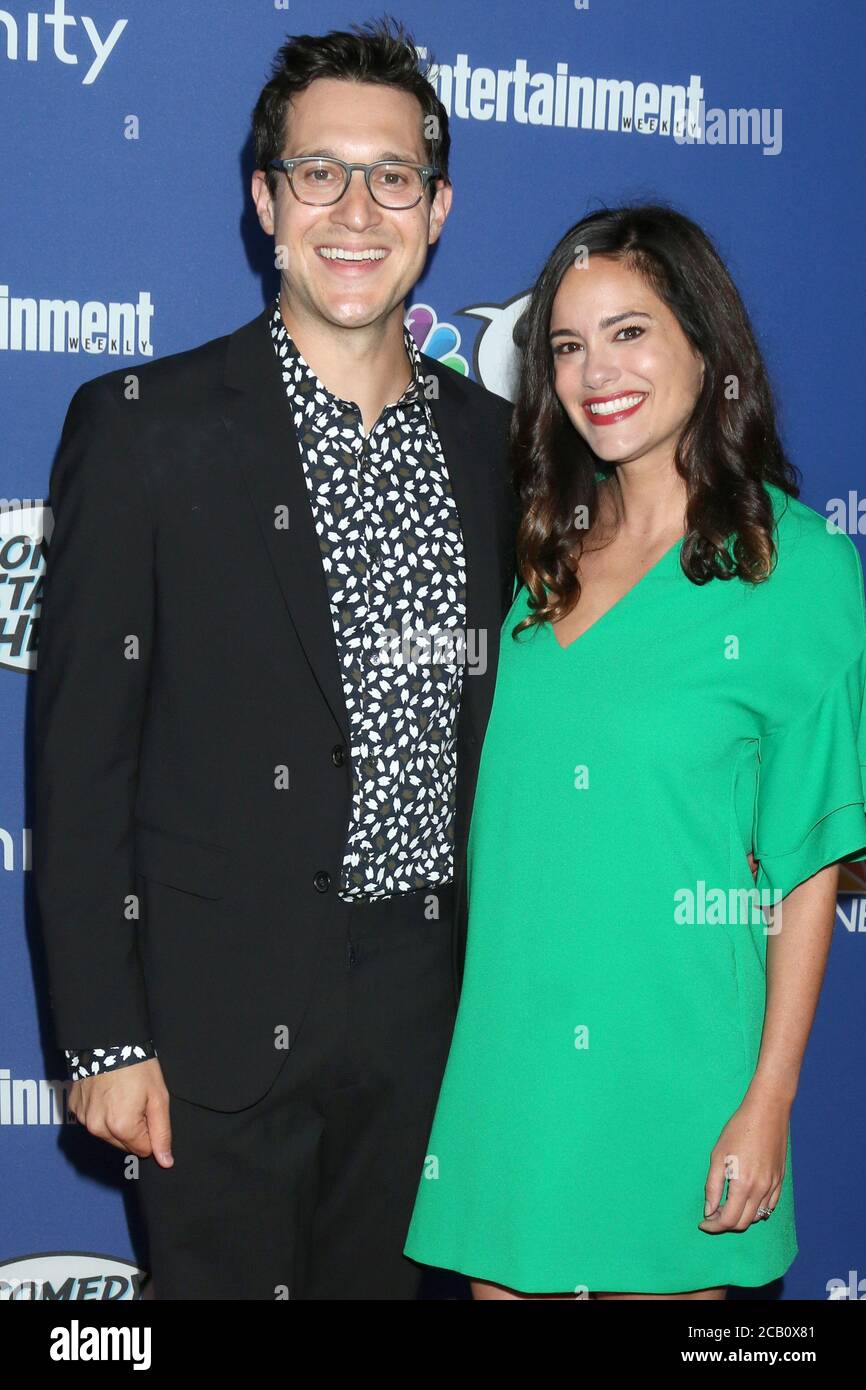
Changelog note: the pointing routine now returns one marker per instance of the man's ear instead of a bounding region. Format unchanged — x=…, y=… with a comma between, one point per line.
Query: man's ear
x=264, y=201
x=439, y=210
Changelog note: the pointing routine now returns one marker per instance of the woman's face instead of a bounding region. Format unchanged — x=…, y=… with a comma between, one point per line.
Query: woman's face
x=618, y=347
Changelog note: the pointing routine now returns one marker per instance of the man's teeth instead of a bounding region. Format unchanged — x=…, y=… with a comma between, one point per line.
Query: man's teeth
x=613, y=407
x=336, y=253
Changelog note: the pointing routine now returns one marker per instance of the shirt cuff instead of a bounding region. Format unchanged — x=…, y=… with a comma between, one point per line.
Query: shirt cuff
x=85, y=1062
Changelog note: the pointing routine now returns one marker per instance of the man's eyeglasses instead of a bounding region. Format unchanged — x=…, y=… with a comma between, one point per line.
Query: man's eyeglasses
x=320, y=182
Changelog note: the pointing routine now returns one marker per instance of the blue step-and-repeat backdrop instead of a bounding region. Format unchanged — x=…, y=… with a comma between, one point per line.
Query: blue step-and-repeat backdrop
x=128, y=232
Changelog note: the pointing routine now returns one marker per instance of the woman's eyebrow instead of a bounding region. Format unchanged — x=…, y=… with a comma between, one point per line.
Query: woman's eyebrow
x=603, y=323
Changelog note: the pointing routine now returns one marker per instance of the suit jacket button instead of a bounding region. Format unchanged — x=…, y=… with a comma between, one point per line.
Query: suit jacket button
x=338, y=755
x=322, y=881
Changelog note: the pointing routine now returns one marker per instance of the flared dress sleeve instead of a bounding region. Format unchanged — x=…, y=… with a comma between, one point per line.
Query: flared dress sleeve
x=810, y=799
x=812, y=787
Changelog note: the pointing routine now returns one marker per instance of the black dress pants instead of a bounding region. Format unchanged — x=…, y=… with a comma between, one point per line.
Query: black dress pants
x=308, y=1193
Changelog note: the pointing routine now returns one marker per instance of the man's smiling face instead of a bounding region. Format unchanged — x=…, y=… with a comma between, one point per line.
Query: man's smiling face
x=357, y=122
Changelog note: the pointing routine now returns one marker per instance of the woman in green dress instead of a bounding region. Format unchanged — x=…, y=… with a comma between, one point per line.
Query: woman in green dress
x=672, y=771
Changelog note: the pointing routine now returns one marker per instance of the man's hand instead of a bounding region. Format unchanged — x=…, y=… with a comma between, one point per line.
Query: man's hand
x=127, y=1108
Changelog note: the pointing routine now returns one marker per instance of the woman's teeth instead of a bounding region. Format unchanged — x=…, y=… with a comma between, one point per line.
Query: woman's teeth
x=615, y=406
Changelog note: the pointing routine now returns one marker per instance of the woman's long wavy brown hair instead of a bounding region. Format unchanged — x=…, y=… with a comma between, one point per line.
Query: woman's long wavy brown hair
x=728, y=448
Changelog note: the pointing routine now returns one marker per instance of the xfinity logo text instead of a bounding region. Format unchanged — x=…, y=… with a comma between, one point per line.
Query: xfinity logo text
x=26, y=39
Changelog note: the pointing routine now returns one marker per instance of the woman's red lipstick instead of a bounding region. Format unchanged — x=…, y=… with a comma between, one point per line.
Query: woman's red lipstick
x=616, y=416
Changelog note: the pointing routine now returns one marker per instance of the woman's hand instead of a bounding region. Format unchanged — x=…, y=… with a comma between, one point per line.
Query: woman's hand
x=751, y=1152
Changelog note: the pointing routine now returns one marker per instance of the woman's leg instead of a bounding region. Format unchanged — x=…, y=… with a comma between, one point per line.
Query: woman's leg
x=482, y=1289
x=721, y=1292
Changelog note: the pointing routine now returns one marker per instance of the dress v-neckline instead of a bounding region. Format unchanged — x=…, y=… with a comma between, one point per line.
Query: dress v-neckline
x=620, y=601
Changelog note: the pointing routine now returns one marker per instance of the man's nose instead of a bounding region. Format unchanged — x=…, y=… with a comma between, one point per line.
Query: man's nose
x=357, y=206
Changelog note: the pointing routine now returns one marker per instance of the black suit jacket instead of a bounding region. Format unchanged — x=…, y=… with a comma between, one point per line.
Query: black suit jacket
x=186, y=656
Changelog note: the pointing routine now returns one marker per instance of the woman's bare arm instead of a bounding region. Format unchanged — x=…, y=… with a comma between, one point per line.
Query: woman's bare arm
x=798, y=945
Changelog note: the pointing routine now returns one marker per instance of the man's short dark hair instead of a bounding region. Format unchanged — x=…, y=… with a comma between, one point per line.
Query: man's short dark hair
x=378, y=51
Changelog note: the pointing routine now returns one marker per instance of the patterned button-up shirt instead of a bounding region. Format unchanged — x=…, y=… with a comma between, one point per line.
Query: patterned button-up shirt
x=392, y=554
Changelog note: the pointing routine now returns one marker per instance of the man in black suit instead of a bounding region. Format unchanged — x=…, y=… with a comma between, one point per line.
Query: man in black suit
x=279, y=566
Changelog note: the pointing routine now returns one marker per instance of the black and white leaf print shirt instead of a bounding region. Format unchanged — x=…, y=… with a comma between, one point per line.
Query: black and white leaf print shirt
x=392, y=554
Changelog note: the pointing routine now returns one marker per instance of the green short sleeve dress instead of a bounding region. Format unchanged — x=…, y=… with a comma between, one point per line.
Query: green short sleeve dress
x=614, y=983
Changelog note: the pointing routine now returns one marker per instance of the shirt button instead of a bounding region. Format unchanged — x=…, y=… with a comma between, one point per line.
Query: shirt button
x=338, y=755
x=322, y=881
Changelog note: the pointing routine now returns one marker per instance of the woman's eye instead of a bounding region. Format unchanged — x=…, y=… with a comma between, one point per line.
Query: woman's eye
x=561, y=349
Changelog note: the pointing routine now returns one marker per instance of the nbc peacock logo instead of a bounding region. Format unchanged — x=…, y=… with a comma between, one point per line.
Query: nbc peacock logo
x=435, y=338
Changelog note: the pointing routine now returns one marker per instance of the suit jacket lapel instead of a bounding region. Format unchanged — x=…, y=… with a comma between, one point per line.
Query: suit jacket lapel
x=477, y=520
x=258, y=417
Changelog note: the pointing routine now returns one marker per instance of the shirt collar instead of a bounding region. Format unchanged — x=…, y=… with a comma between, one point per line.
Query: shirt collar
x=286, y=348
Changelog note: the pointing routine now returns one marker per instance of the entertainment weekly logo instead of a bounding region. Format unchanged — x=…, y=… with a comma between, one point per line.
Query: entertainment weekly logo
x=99, y=327
x=565, y=100
x=29, y=1102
